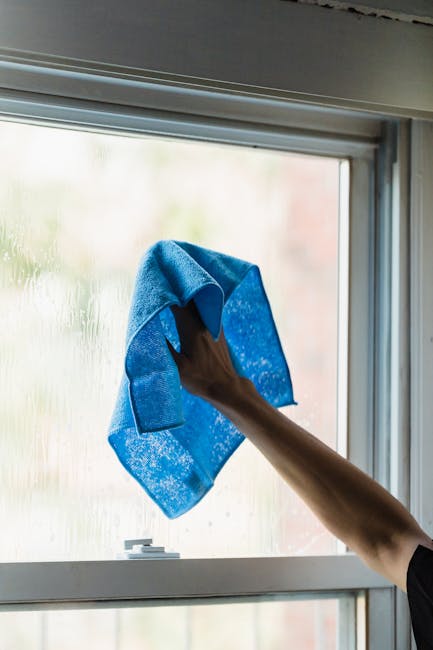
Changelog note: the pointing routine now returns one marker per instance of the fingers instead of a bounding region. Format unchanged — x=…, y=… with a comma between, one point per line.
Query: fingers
x=187, y=316
x=189, y=325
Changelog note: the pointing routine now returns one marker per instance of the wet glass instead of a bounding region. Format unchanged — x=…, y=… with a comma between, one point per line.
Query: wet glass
x=77, y=211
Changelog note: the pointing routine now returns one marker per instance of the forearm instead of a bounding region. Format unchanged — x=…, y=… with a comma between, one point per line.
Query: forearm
x=354, y=507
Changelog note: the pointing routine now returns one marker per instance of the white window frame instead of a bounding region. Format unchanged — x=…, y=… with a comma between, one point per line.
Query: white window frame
x=251, y=109
x=71, y=584
x=419, y=448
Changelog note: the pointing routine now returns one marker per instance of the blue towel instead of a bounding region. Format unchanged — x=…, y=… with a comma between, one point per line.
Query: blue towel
x=171, y=441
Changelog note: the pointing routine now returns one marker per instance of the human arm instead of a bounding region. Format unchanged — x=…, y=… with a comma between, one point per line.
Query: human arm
x=354, y=507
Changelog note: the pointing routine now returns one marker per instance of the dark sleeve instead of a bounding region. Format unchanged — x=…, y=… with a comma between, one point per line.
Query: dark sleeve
x=419, y=585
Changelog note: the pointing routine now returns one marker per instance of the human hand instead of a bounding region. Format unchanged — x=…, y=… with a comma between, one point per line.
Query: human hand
x=204, y=365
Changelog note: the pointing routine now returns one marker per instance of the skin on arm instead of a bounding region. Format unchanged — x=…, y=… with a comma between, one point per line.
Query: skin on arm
x=352, y=505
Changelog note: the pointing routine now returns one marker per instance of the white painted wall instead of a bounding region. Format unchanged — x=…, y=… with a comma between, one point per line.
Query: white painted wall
x=273, y=48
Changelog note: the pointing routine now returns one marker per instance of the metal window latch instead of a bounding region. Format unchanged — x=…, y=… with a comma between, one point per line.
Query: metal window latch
x=142, y=549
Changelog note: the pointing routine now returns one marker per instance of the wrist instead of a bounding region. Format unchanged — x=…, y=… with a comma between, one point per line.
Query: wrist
x=231, y=394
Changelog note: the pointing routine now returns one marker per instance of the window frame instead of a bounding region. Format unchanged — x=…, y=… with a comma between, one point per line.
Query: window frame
x=419, y=447
x=377, y=148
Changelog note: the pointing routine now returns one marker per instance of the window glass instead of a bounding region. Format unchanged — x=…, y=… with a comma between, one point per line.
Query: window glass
x=77, y=211
x=305, y=625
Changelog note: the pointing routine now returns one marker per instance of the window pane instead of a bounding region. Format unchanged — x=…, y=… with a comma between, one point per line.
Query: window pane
x=77, y=211
x=275, y=625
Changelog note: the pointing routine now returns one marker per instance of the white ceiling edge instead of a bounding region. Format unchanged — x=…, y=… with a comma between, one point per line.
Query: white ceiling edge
x=355, y=61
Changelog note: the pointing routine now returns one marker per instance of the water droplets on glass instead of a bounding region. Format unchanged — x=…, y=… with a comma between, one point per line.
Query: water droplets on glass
x=77, y=210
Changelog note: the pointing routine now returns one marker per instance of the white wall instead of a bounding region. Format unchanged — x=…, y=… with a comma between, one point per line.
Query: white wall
x=273, y=48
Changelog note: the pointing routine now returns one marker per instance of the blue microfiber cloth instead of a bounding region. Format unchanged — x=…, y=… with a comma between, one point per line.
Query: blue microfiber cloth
x=171, y=441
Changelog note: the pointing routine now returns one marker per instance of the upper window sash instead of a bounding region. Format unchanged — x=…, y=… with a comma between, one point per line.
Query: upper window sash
x=251, y=122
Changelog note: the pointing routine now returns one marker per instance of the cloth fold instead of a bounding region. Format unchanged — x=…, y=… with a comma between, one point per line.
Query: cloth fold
x=172, y=442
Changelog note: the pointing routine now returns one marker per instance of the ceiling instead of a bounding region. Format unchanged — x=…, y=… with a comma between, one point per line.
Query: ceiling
x=419, y=11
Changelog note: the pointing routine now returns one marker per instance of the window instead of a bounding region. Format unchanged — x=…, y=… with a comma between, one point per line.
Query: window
x=78, y=211
x=309, y=624
x=72, y=234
